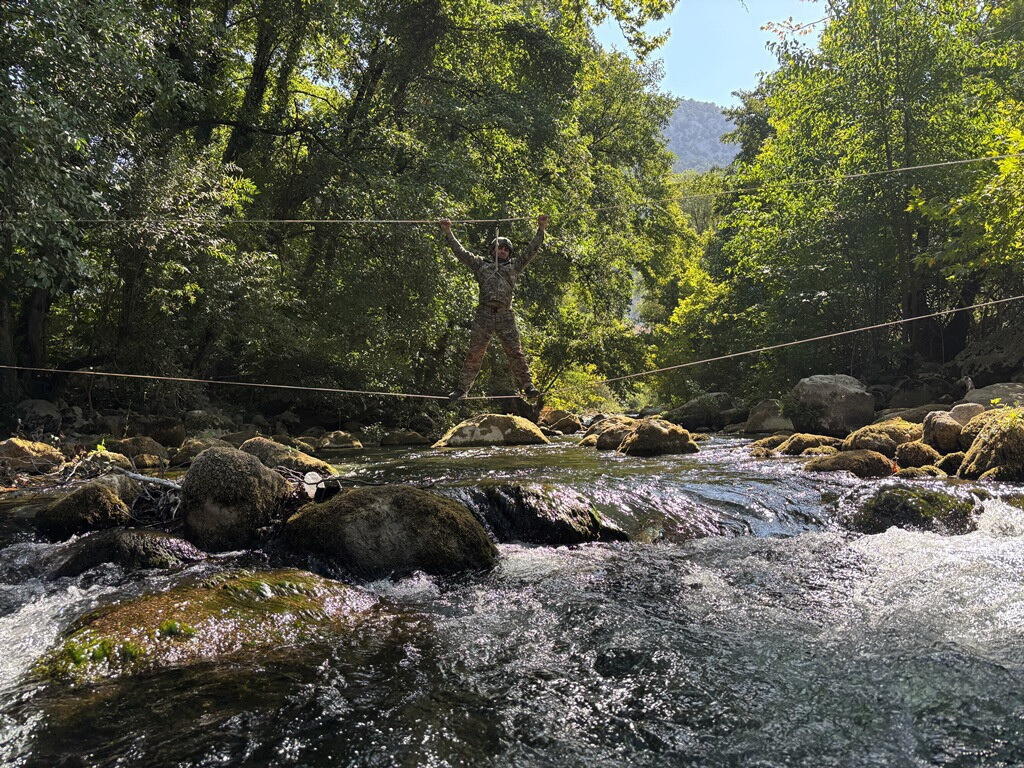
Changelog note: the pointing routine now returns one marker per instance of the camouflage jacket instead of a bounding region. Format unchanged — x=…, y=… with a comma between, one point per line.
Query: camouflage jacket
x=497, y=281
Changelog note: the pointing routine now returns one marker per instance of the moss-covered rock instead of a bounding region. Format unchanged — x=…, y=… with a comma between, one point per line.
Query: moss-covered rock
x=942, y=432
x=916, y=454
x=950, y=463
x=236, y=614
x=611, y=438
x=920, y=473
x=973, y=427
x=542, y=514
x=997, y=453
x=129, y=547
x=569, y=425
x=861, y=463
x=766, y=445
x=916, y=508
x=227, y=497
x=820, y=450
x=274, y=455
x=91, y=507
x=103, y=461
x=248, y=432
x=883, y=436
x=492, y=429
x=796, y=444
x=403, y=437
x=193, y=446
x=656, y=437
x=393, y=529
x=148, y=461
x=339, y=439
x=29, y=456
x=915, y=415
x=590, y=441
x=137, y=446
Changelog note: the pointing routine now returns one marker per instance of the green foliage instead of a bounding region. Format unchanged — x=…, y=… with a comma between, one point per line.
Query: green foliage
x=578, y=392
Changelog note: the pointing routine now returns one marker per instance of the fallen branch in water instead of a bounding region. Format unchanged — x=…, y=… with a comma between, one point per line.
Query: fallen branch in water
x=147, y=479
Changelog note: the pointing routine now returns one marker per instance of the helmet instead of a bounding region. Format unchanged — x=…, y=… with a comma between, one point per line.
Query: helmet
x=500, y=241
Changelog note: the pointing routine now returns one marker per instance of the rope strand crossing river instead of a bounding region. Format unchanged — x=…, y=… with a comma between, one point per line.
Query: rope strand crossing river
x=651, y=372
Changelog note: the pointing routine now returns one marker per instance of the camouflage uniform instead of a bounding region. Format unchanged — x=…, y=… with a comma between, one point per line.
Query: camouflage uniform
x=494, y=315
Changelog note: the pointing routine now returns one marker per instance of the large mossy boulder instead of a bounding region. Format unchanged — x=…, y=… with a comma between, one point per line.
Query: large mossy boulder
x=704, y=412
x=239, y=614
x=393, y=529
x=339, y=440
x=831, y=405
x=794, y=445
x=274, y=455
x=861, y=463
x=128, y=547
x=98, y=504
x=883, y=436
x=227, y=497
x=942, y=432
x=192, y=447
x=541, y=514
x=997, y=453
x=951, y=462
x=492, y=429
x=916, y=454
x=767, y=416
x=656, y=437
x=29, y=456
x=143, y=445
x=768, y=445
x=916, y=508
x=568, y=425
x=973, y=428
x=403, y=437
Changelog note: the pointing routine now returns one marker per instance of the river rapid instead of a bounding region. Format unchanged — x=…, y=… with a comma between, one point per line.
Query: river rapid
x=742, y=626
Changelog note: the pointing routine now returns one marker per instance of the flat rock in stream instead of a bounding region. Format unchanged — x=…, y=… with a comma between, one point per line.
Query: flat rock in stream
x=541, y=514
x=128, y=547
x=492, y=429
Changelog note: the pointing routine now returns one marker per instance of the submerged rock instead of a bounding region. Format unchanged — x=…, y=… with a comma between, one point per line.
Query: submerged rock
x=883, y=436
x=656, y=437
x=542, y=514
x=492, y=429
x=393, y=529
x=916, y=508
x=29, y=456
x=129, y=547
x=861, y=463
x=276, y=455
x=997, y=453
x=240, y=613
x=227, y=496
x=831, y=405
x=916, y=454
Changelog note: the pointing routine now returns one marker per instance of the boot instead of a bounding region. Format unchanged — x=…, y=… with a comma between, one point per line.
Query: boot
x=531, y=392
x=456, y=395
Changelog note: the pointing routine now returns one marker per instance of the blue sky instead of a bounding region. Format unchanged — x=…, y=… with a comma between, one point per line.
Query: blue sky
x=718, y=46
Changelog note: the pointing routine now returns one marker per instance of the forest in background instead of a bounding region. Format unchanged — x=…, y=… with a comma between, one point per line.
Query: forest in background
x=178, y=119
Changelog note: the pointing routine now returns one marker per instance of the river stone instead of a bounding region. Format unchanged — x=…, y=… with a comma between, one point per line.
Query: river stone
x=950, y=463
x=964, y=412
x=915, y=508
x=169, y=432
x=973, y=428
x=28, y=456
x=231, y=615
x=610, y=438
x=148, y=461
x=403, y=437
x=1006, y=393
x=916, y=454
x=927, y=472
x=942, y=432
x=129, y=547
x=388, y=529
x=247, y=432
x=137, y=446
x=831, y=405
x=921, y=390
x=820, y=450
x=550, y=416
x=914, y=415
x=90, y=507
x=542, y=514
x=703, y=412
x=569, y=425
x=192, y=447
x=656, y=437
x=341, y=439
x=492, y=429
x=227, y=496
x=767, y=444
x=997, y=453
x=767, y=416
x=209, y=418
x=796, y=444
x=883, y=436
x=861, y=463
x=103, y=461
x=38, y=416
x=275, y=455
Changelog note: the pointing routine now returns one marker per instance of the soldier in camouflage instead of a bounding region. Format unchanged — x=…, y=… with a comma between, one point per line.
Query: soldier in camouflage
x=496, y=277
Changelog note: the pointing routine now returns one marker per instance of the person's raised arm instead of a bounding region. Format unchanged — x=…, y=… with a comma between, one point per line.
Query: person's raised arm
x=461, y=253
x=538, y=240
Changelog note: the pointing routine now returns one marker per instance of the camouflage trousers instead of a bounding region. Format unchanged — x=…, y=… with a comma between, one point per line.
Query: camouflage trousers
x=487, y=322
